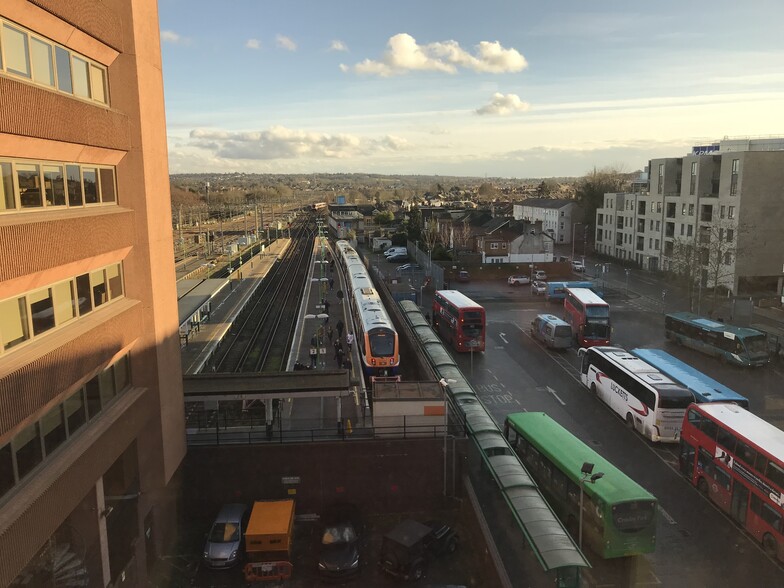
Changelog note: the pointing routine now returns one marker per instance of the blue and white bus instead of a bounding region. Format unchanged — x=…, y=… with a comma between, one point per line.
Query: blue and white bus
x=704, y=388
x=557, y=290
x=738, y=345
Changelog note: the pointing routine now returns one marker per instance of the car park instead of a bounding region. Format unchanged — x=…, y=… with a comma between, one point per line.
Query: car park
x=578, y=266
x=538, y=287
x=223, y=544
x=341, y=542
x=408, y=549
x=463, y=276
x=518, y=280
x=540, y=275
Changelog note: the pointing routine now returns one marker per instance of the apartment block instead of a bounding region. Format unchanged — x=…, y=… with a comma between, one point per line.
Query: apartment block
x=716, y=211
x=558, y=217
x=91, y=415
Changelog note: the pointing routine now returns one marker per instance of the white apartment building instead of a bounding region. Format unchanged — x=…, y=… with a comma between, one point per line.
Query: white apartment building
x=557, y=216
x=722, y=206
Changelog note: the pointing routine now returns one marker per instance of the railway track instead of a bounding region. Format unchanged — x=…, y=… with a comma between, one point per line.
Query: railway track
x=260, y=339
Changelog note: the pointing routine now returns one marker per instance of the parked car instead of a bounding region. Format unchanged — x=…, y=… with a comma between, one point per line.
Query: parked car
x=408, y=549
x=341, y=542
x=223, y=546
x=540, y=275
x=408, y=267
x=463, y=276
x=578, y=266
x=395, y=257
x=518, y=280
x=538, y=287
x=395, y=251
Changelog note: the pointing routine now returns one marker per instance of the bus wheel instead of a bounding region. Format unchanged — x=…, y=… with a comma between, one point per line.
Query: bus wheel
x=702, y=486
x=630, y=420
x=769, y=545
x=593, y=389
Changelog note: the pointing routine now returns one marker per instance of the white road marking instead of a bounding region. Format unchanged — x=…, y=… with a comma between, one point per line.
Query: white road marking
x=551, y=391
x=503, y=338
x=667, y=516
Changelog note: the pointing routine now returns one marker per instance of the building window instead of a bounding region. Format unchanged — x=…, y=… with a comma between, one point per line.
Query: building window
x=693, y=180
x=47, y=64
x=706, y=214
x=689, y=231
x=683, y=210
x=653, y=207
x=650, y=243
x=493, y=245
x=36, y=442
x=658, y=225
x=658, y=207
x=46, y=184
x=734, y=177
x=691, y=210
x=39, y=311
x=656, y=244
x=727, y=258
x=722, y=211
x=730, y=235
x=731, y=212
x=683, y=229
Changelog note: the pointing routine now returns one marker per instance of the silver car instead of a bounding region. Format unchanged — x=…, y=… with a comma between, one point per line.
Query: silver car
x=223, y=546
x=538, y=287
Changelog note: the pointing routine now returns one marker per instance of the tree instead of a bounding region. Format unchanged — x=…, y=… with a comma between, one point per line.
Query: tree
x=706, y=262
x=592, y=187
x=414, y=225
x=430, y=234
x=384, y=218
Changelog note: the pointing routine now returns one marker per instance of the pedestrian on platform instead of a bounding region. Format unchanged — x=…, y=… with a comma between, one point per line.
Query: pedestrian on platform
x=326, y=306
x=340, y=327
x=331, y=283
x=337, y=345
x=313, y=356
x=349, y=340
x=340, y=357
x=340, y=297
x=330, y=332
x=347, y=362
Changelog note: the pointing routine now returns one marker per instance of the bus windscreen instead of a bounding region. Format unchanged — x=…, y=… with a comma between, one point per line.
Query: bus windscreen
x=756, y=344
x=674, y=397
x=597, y=311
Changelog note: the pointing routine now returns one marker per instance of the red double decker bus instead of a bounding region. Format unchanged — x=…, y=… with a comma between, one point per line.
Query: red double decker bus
x=737, y=460
x=589, y=316
x=459, y=320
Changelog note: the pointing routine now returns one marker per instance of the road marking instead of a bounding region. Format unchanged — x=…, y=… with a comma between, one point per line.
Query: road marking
x=503, y=338
x=551, y=391
x=667, y=516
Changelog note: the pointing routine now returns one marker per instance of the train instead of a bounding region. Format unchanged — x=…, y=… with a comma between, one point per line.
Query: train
x=318, y=206
x=376, y=336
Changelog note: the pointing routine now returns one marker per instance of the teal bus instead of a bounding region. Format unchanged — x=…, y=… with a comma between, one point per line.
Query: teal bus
x=738, y=345
x=619, y=515
x=557, y=290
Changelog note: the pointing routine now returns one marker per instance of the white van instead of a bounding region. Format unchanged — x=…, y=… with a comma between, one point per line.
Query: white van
x=552, y=331
x=395, y=251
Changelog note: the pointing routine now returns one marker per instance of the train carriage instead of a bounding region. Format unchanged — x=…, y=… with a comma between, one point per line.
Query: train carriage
x=376, y=336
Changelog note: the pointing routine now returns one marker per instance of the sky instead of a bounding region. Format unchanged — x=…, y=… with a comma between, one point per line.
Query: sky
x=493, y=88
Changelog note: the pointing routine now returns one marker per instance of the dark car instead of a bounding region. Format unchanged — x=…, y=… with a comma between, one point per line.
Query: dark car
x=340, y=550
x=463, y=276
x=407, y=550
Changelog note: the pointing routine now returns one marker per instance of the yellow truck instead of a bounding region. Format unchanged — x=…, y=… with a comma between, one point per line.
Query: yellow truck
x=268, y=540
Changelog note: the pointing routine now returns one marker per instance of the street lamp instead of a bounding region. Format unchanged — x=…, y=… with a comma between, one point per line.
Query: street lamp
x=627, y=271
x=586, y=470
x=444, y=385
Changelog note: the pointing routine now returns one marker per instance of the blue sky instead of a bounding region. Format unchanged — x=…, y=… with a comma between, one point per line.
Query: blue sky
x=496, y=88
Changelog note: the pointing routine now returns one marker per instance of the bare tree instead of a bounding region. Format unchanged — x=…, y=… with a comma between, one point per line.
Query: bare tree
x=461, y=235
x=707, y=261
x=430, y=234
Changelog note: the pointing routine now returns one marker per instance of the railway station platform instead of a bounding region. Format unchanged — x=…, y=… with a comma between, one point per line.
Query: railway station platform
x=226, y=298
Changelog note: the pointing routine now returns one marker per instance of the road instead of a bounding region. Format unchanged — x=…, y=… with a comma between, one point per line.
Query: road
x=697, y=545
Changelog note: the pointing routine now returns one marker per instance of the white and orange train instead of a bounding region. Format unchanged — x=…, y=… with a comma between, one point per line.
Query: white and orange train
x=375, y=334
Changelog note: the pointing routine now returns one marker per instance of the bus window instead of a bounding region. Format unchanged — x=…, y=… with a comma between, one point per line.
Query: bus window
x=745, y=452
x=756, y=344
x=775, y=474
x=695, y=418
x=710, y=428
x=722, y=478
x=726, y=440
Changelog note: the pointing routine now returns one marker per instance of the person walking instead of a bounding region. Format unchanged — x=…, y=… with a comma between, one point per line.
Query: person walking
x=313, y=355
x=332, y=266
x=331, y=283
x=340, y=327
x=349, y=340
x=326, y=306
x=339, y=357
x=340, y=297
x=330, y=332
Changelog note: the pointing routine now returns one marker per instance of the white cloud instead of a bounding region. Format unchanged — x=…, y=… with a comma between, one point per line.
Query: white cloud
x=171, y=37
x=404, y=54
x=279, y=142
x=503, y=104
x=337, y=45
x=253, y=44
x=285, y=42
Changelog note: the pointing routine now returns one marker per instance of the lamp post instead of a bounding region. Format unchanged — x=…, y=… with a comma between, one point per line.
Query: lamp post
x=627, y=271
x=444, y=385
x=586, y=470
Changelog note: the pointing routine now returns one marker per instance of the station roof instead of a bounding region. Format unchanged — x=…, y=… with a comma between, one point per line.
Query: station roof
x=385, y=391
x=192, y=294
x=260, y=386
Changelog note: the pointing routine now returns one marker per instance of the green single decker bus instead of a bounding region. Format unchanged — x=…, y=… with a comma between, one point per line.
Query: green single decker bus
x=619, y=515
